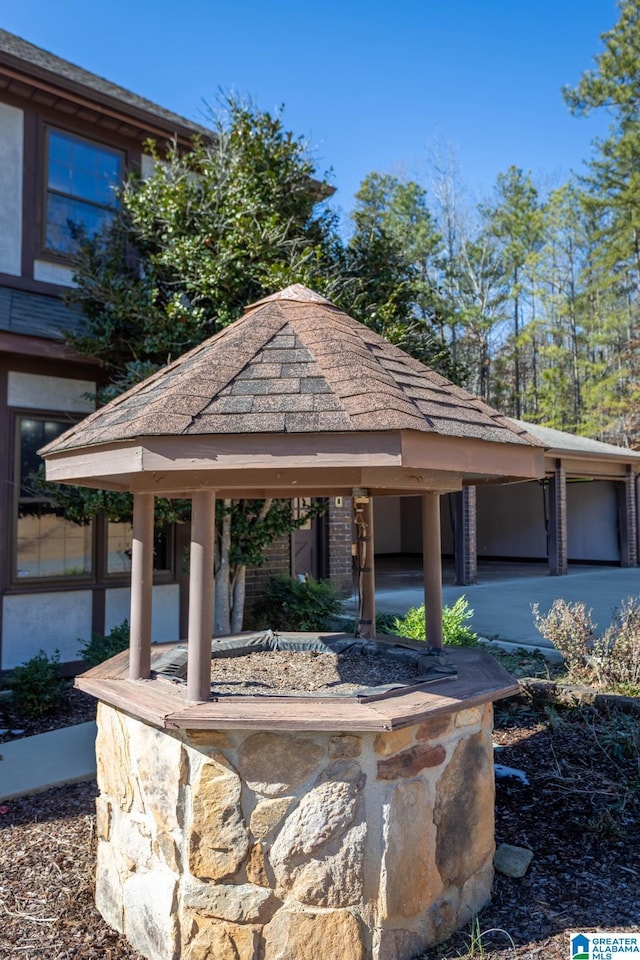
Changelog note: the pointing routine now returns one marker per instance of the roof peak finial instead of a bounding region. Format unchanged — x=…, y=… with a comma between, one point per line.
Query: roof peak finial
x=296, y=291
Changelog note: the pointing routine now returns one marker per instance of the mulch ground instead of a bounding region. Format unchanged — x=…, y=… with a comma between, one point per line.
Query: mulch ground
x=580, y=815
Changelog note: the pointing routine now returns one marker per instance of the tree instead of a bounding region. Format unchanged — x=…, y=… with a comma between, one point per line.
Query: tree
x=393, y=266
x=613, y=193
x=514, y=220
x=205, y=234
x=209, y=231
x=236, y=218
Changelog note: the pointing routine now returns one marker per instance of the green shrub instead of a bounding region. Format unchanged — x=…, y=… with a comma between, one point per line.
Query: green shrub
x=289, y=604
x=101, y=647
x=455, y=631
x=386, y=622
x=37, y=685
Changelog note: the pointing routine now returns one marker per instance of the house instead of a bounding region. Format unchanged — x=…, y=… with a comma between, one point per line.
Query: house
x=67, y=137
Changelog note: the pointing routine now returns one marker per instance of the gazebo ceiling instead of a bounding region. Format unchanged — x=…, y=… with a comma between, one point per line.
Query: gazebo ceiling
x=294, y=398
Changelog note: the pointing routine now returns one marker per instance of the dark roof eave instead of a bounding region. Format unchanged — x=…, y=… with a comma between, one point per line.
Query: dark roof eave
x=154, y=119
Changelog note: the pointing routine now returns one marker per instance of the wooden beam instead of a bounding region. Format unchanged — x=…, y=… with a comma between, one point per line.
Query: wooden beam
x=319, y=481
x=203, y=508
x=592, y=468
x=141, y=587
x=222, y=451
x=432, y=565
x=470, y=456
x=103, y=463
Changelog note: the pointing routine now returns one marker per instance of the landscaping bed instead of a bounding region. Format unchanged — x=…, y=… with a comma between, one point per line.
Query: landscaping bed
x=75, y=707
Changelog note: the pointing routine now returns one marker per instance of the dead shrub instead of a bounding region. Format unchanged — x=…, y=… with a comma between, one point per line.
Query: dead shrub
x=610, y=659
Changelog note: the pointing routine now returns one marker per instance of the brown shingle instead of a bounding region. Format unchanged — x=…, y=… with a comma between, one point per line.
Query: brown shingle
x=293, y=363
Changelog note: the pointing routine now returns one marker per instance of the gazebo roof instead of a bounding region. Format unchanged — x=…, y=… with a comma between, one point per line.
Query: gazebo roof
x=297, y=368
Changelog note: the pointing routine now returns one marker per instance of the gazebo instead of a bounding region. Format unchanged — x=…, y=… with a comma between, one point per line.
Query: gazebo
x=295, y=399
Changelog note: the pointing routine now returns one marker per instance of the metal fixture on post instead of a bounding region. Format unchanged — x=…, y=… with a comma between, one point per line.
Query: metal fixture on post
x=365, y=570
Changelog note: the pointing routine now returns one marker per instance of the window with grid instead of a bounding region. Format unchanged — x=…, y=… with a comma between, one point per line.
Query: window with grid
x=82, y=179
x=46, y=544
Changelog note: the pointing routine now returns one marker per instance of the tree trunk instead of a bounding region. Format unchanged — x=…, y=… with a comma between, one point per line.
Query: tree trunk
x=222, y=607
x=237, y=599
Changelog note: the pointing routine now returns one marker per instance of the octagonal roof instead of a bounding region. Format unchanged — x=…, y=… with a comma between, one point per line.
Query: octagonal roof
x=297, y=368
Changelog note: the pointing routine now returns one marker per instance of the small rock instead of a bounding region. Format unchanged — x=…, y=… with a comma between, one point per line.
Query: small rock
x=506, y=773
x=512, y=861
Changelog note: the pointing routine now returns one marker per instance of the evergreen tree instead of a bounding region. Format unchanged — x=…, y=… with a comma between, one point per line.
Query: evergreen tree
x=515, y=221
x=209, y=231
x=393, y=261
x=613, y=193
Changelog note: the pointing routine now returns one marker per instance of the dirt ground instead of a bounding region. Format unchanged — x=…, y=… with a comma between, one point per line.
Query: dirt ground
x=580, y=815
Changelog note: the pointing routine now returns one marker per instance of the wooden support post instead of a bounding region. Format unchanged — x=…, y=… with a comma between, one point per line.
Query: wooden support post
x=366, y=626
x=432, y=565
x=141, y=587
x=465, y=542
x=558, y=521
x=203, y=508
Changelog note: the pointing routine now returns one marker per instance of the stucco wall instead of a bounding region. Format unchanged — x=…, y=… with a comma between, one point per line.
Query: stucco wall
x=48, y=272
x=44, y=621
x=387, y=524
x=511, y=521
x=38, y=392
x=11, y=162
x=398, y=524
x=164, y=612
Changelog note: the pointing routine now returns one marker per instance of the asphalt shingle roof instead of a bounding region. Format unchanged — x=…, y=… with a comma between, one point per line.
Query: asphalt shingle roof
x=294, y=363
x=571, y=443
x=62, y=70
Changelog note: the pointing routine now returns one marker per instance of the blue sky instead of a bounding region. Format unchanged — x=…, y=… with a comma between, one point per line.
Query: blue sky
x=372, y=86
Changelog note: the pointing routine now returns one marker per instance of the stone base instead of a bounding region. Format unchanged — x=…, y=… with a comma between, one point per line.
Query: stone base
x=288, y=846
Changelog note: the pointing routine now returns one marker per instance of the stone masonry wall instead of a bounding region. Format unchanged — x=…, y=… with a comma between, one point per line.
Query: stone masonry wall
x=247, y=845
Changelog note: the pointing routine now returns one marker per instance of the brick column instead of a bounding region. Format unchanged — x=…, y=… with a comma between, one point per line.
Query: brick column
x=628, y=520
x=465, y=543
x=558, y=521
x=340, y=535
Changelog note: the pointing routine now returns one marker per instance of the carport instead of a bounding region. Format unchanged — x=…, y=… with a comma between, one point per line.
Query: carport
x=584, y=511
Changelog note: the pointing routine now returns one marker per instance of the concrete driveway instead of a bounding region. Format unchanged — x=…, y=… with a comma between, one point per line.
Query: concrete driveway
x=503, y=597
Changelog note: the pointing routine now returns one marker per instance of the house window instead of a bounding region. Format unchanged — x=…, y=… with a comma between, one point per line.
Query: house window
x=82, y=179
x=47, y=545
x=119, y=539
